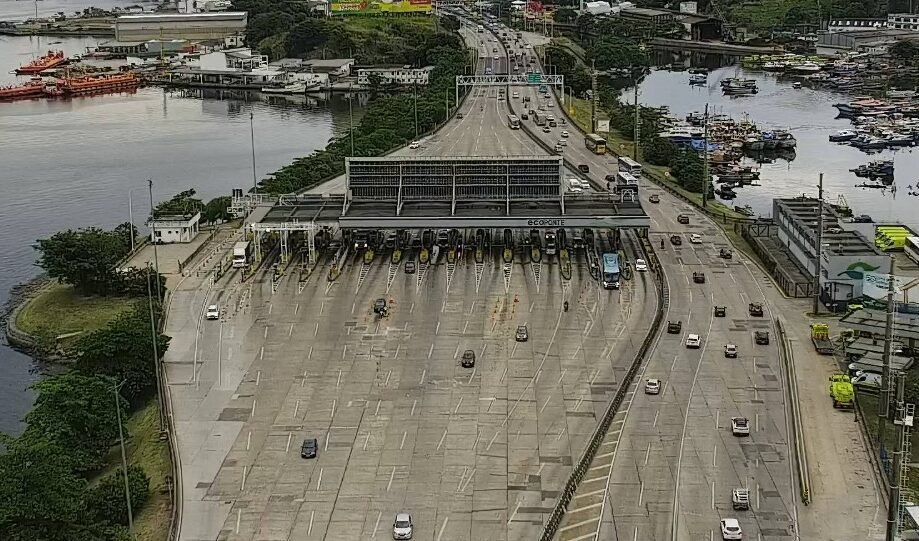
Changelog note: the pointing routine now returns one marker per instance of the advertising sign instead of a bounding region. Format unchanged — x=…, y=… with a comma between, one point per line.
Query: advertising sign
x=370, y=7
x=875, y=285
x=603, y=126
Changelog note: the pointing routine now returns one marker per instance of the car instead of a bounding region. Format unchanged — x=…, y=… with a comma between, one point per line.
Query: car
x=641, y=265
x=755, y=309
x=409, y=267
x=730, y=351
x=698, y=277
x=761, y=337
x=740, y=499
x=653, y=386
x=655, y=198
x=583, y=168
x=459, y=115
x=564, y=133
x=402, y=527
x=213, y=312
x=721, y=311
x=740, y=426
x=563, y=142
x=695, y=238
x=558, y=148
x=310, y=448
x=522, y=334
x=725, y=254
x=693, y=341
x=550, y=104
x=674, y=327
x=468, y=360
x=516, y=95
x=676, y=240
x=379, y=306
x=575, y=189
x=546, y=129
x=414, y=145
x=524, y=116
x=682, y=219
x=730, y=529
x=496, y=57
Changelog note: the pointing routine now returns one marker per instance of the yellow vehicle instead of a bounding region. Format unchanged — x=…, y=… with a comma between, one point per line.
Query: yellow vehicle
x=841, y=391
x=820, y=336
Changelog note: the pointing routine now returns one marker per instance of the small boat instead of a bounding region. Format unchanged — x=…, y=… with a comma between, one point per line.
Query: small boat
x=698, y=79
x=796, y=84
x=33, y=89
x=843, y=135
x=296, y=87
x=735, y=82
x=806, y=67
x=874, y=170
x=900, y=140
x=867, y=142
x=46, y=62
x=775, y=66
x=900, y=94
x=746, y=210
x=739, y=90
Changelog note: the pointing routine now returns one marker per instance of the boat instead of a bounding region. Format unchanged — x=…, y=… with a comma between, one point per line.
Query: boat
x=874, y=170
x=733, y=81
x=900, y=140
x=901, y=94
x=702, y=71
x=739, y=88
x=843, y=135
x=775, y=66
x=806, y=67
x=868, y=142
x=698, y=79
x=296, y=87
x=725, y=192
x=796, y=84
x=99, y=83
x=32, y=89
x=48, y=61
x=746, y=210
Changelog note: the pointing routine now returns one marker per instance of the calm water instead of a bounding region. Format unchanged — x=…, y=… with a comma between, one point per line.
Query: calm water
x=72, y=163
x=810, y=115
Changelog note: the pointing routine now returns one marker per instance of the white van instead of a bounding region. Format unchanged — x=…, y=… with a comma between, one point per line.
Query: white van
x=576, y=183
x=868, y=379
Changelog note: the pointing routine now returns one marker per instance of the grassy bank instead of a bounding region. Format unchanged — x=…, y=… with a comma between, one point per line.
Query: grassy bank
x=61, y=311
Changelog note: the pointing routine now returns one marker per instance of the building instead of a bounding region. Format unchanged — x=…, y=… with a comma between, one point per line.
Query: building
x=845, y=25
x=395, y=75
x=190, y=26
x=146, y=48
x=203, y=6
x=699, y=27
x=649, y=16
x=846, y=255
x=239, y=59
x=238, y=68
x=903, y=21
x=334, y=67
x=874, y=41
x=174, y=229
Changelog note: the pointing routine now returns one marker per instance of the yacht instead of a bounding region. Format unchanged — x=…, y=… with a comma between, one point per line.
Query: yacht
x=843, y=135
x=806, y=67
x=296, y=87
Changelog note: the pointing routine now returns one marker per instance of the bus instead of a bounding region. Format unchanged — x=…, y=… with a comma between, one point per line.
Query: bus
x=539, y=118
x=626, y=179
x=513, y=122
x=595, y=143
x=911, y=249
x=630, y=166
x=242, y=254
x=481, y=29
x=611, y=271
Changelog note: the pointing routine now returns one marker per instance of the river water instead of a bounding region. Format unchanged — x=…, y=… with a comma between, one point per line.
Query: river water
x=811, y=117
x=73, y=163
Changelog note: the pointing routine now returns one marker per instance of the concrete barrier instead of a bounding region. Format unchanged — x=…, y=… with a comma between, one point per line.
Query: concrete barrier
x=797, y=426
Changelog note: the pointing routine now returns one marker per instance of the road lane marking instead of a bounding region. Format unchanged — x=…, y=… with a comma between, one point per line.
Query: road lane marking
x=258, y=377
x=319, y=481
x=252, y=413
x=377, y=411
x=261, y=353
x=514, y=514
x=297, y=308
x=377, y=525
x=290, y=331
x=713, y=494
x=332, y=412
x=443, y=527
x=402, y=444
x=265, y=334
x=248, y=440
x=431, y=351
x=656, y=414
x=297, y=408
x=460, y=403
x=242, y=483
x=414, y=403
x=641, y=493
x=442, y=438
x=647, y=453
x=423, y=372
x=714, y=454
x=290, y=436
x=493, y=438
x=309, y=531
x=392, y=476
x=239, y=516
x=544, y=404
x=366, y=441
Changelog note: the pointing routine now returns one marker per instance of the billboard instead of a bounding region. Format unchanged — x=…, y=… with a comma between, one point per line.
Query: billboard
x=370, y=7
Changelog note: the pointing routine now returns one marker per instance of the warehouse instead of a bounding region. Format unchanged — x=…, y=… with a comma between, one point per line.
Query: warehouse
x=190, y=26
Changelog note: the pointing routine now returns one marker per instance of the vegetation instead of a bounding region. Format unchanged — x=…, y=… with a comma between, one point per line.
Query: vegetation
x=86, y=258
x=186, y=204
x=60, y=310
x=289, y=29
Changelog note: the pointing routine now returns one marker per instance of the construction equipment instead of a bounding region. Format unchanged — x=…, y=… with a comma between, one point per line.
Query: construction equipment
x=820, y=336
x=698, y=277
x=841, y=391
x=755, y=309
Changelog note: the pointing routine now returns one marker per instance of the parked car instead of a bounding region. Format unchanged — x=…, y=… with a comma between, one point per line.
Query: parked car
x=740, y=426
x=414, y=145
x=655, y=198
x=310, y=448
x=546, y=129
x=213, y=312
x=564, y=133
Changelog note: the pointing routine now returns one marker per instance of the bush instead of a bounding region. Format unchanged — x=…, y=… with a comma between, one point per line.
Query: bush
x=105, y=501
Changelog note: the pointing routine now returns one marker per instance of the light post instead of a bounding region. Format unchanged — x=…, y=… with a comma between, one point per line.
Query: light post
x=156, y=354
x=415, y=93
x=124, y=460
x=131, y=213
x=252, y=139
x=351, y=116
x=156, y=259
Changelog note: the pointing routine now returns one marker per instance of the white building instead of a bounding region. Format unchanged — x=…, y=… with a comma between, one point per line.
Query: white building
x=174, y=229
x=190, y=26
x=334, y=67
x=903, y=21
x=404, y=75
x=203, y=6
x=239, y=59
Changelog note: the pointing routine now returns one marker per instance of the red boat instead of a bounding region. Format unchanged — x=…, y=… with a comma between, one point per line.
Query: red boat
x=50, y=60
x=33, y=89
x=99, y=83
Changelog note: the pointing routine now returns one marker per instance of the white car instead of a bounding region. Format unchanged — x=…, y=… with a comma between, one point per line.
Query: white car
x=402, y=527
x=564, y=133
x=740, y=426
x=730, y=351
x=641, y=265
x=213, y=312
x=653, y=386
x=414, y=145
x=730, y=529
x=495, y=57
x=693, y=341
x=695, y=238
x=563, y=142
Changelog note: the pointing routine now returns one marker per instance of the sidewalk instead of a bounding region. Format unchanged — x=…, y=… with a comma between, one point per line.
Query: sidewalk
x=845, y=502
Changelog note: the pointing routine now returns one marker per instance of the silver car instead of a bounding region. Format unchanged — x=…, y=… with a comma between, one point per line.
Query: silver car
x=402, y=527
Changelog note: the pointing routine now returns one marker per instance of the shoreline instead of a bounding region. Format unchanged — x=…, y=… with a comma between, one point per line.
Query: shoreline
x=99, y=33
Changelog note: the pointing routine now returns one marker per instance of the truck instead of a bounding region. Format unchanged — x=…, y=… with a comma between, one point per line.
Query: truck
x=820, y=336
x=841, y=391
x=242, y=254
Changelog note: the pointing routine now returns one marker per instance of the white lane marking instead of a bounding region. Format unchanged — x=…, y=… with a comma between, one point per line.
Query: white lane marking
x=319, y=481
x=713, y=494
x=290, y=436
x=402, y=444
x=442, y=438
x=714, y=454
x=316, y=330
x=514, y=514
x=248, y=440
x=366, y=441
x=265, y=334
x=392, y=476
x=562, y=376
x=544, y=404
x=458, y=404
x=641, y=493
x=377, y=411
x=388, y=375
x=465, y=326
x=431, y=351
x=242, y=483
x=297, y=408
x=258, y=377
x=423, y=372
x=377, y=525
x=290, y=331
x=270, y=306
x=239, y=516
x=493, y=438
x=443, y=527
x=471, y=376
x=252, y=414
x=332, y=412
x=344, y=351
x=297, y=308
x=414, y=403
x=656, y=414
x=648, y=453
x=261, y=353
x=338, y=383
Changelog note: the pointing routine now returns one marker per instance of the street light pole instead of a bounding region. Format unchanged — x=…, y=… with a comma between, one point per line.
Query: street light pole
x=252, y=139
x=156, y=259
x=415, y=93
x=351, y=116
x=819, y=260
x=124, y=460
x=156, y=354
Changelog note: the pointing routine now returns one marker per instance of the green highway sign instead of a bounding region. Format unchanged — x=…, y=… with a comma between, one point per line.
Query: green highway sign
x=534, y=78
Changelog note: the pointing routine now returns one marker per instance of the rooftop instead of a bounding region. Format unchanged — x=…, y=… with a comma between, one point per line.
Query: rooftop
x=647, y=12
x=216, y=16
x=836, y=239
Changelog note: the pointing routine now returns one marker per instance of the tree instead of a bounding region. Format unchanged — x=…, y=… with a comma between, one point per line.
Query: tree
x=123, y=350
x=687, y=168
x=105, y=501
x=77, y=413
x=217, y=210
x=182, y=204
x=450, y=23
x=84, y=258
x=613, y=53
x=40, y=496
x=565, y=15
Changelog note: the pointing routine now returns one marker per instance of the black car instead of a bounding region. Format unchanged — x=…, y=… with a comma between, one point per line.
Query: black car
x=583, y=168
x=409, y=267
x=721, y=311
x=674, y=327
x=379, y=306
x=310, y=448
x=524, y=116
x=468, y=359
x=682, y=219
x=676, y=240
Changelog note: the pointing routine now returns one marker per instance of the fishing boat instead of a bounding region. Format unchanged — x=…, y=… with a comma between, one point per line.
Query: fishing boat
x=746, y=210
x=99, y=83
x=736, y=82
x=296, y=87
x=868, y=142
x=51, y=60
x=843, y=135
x=740, y=88
x=32, y=89
x=875, y=169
